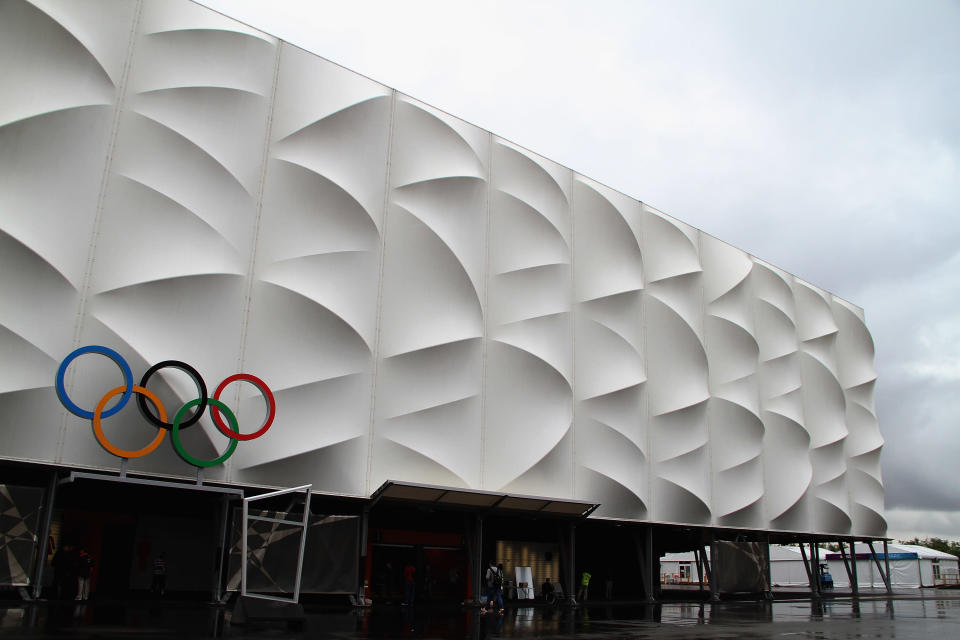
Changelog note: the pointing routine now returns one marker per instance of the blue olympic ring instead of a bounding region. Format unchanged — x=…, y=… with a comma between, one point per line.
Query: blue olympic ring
x=113, y=355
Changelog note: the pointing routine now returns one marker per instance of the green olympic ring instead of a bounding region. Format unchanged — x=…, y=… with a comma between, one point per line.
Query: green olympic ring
x=175, y=433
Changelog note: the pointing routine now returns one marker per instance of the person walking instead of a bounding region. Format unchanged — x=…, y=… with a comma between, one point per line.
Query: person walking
x=158, y=586
x=494, y=583
x=409, y=584
x=584, y=589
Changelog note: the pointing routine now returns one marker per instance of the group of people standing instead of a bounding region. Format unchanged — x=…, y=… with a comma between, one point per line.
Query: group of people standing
x=494, y=583
x=72, y=570
x=494, y=579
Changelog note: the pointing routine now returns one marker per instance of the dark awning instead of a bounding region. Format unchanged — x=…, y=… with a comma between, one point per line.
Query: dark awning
x=493, y=501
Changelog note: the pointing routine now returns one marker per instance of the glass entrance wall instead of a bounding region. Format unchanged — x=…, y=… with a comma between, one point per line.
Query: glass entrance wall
x=543, y=558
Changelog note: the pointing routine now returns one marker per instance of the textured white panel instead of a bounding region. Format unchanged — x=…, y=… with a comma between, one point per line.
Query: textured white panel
x=176, y=230
x=529, y=373
x=824, y=406
x=427, y=417
x=736, y=427
x=58, y=68
x=611, y=434
x=862, y=447
x=313, y=317
x=54, y=122
x=677, y=371
x=67, y=55
x=189, y=150
x=787, y=469
x=428, y=302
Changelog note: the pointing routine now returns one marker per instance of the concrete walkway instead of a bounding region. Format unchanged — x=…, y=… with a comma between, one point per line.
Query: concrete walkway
x=916, y=614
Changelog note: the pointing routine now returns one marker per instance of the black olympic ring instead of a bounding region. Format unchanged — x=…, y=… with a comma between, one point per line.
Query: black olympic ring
x=197, y=380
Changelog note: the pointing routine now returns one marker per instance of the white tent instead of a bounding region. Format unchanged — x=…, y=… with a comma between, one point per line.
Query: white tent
x=936, y=567
x=681, y=568
x=911, y=566
x=786, y=566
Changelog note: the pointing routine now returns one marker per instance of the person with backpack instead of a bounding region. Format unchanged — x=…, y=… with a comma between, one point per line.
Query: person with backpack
x=494, y=582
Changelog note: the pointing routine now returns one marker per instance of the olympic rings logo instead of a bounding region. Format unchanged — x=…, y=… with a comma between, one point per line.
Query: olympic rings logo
x=180, y=420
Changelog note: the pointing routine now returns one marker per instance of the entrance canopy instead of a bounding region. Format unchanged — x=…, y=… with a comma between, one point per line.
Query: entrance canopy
x=493, y=501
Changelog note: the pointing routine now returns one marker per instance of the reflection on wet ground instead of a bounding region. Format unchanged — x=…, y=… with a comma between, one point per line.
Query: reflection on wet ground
x=914, y=615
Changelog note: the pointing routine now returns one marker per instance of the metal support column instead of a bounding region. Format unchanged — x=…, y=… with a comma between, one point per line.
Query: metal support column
x=648, y=576
x=361, y=590
x=876, y=561
x=815, y=554
x=640, y=540
x=851, y=571
x=644, y=543
x=567, y=539
x=853, y=565
x=886, y=563
x=478, y=561
x=767, y=577
x=223, y=550
x=708, y=571
x=815, y=566
x=41, y=559
x=474, y=538
x=572, y=564
x=714, y=578
x=812, y=576
x=697, y=553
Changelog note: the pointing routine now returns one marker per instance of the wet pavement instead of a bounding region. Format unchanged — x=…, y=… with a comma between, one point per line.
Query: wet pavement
x=916, y=614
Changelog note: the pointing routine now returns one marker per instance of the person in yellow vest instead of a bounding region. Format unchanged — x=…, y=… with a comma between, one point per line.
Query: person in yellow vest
x=584, y=587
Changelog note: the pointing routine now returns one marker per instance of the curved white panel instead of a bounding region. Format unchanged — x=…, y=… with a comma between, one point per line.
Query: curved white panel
x=427, y=420
x=824, y=406
x=313, y=317
x=862, y=446
x=669, y=247
x=528, y=436
x=55, y=119
x=612, y=449
x=788, y=472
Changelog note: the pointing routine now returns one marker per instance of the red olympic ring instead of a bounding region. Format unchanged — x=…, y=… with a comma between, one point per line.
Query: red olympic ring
x=267, y=395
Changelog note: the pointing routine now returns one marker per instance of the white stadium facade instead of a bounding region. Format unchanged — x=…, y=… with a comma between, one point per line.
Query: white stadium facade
x=466, y=350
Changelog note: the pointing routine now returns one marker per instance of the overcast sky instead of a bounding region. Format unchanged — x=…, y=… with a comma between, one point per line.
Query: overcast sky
x=820, y=136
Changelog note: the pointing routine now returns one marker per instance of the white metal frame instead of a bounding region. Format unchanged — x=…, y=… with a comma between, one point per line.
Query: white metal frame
x=303, y=539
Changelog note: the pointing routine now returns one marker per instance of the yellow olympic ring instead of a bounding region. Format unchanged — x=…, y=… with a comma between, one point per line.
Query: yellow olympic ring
x=106, y=444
